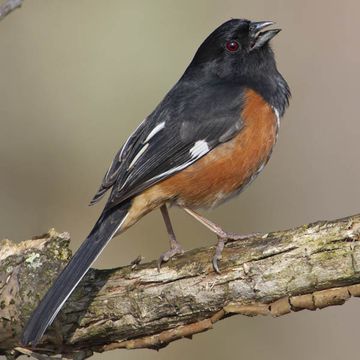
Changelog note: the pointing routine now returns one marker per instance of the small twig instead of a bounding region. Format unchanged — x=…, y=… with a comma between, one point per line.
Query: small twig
x=8, y=6
x=136, y=262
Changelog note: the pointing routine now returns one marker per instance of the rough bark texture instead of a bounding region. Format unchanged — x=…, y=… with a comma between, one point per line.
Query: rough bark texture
x=309, y=267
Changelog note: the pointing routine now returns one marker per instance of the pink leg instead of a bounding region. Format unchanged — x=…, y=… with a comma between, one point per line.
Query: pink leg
x=175, y=247
x=222, y=235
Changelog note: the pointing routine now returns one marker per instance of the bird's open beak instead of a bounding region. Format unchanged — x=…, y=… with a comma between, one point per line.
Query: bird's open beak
x=260, y=38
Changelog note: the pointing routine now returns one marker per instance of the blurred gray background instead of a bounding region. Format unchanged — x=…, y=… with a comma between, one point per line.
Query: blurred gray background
x=78, y=76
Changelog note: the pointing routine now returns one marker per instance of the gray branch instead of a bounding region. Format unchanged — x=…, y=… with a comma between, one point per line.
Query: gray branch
x=8, y=6
x=310, y=267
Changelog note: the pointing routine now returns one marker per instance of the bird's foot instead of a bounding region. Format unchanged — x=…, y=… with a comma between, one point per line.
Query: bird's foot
x=223, y=238
x=176, y=249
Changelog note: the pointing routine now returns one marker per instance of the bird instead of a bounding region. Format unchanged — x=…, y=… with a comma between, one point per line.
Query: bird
x=209, y=137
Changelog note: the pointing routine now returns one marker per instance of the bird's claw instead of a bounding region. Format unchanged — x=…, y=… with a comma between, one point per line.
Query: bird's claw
x=215, y=264
x=222, y=240
x=166, y=256
x=219, y=248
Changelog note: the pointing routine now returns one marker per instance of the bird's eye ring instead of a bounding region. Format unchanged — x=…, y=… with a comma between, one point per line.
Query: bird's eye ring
x=232, y=46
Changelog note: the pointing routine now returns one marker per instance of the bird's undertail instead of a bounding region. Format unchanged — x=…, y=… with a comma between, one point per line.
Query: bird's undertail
x=108, y=224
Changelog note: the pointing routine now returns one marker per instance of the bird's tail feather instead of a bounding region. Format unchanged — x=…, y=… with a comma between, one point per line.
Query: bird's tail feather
x=105, y=228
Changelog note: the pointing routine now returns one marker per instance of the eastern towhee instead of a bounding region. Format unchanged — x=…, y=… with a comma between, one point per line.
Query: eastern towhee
x=209, y=137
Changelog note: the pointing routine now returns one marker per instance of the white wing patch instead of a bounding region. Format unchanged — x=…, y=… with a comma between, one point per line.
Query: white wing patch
x=152, y=133
x=172, y=170
x=128, y=139
x=155, y=130
x=200, y=148
x=137, y=156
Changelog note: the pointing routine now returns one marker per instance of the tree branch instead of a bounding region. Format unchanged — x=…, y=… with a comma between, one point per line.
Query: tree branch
x=310, y=267
x=8, y=6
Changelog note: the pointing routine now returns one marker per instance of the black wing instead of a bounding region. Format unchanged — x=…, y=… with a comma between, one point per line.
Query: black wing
x=118, y=162
x=185, y=126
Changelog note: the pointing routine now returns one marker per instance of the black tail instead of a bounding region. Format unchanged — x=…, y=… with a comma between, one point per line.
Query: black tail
x=105, y=228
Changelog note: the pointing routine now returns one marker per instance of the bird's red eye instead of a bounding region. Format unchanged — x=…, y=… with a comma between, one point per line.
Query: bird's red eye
x=232, y=45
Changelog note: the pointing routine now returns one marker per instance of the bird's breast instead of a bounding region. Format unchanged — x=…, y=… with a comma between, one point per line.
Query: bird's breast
x=229, y=167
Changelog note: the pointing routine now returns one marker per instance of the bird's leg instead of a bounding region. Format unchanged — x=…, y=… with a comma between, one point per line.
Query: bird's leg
x=222, y=235
x=175, y=247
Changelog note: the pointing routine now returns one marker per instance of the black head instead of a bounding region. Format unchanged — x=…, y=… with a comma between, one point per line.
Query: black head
x=238, y=51
x=234, y=44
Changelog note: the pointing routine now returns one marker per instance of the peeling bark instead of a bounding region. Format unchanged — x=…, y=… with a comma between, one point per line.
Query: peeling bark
x=310, y=267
